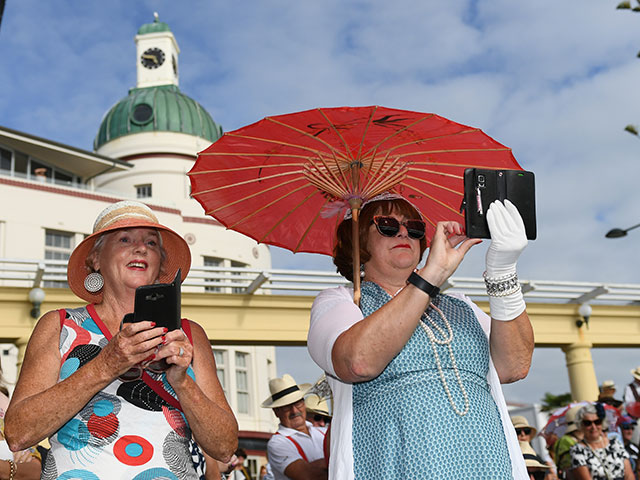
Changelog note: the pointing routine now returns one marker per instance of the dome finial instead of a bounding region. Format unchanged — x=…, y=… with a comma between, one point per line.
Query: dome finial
x=155, y=17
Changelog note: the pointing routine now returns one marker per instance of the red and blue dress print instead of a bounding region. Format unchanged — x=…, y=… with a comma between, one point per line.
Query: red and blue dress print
x=129, y=430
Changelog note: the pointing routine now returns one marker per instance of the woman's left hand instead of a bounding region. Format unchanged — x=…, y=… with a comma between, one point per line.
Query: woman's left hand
x=178, y=352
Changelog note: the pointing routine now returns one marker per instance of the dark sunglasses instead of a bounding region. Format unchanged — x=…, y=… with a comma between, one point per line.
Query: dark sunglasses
x=390, y=226
x=588, y=423
x=538, y=475
x=627, y=427
x=525, y=430
x=317, y=418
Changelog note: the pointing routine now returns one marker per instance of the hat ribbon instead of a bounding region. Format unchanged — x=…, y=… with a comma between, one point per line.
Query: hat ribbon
x=284, y=392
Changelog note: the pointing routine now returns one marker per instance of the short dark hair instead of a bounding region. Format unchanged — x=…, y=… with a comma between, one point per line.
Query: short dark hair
x=343, y=250
x=241, y=453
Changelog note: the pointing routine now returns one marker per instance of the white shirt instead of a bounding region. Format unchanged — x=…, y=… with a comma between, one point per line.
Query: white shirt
x=282, y=452
x=334, y=312
x=628, y=392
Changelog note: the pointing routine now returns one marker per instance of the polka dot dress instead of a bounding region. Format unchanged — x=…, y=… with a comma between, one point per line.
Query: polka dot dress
x=403, y=423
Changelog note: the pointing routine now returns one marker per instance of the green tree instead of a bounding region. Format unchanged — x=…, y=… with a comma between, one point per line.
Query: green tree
x=551, y=402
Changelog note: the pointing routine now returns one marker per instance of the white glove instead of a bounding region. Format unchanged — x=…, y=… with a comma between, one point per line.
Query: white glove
x=508, y=240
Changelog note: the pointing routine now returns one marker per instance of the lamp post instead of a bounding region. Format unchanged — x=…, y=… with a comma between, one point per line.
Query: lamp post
x=619, y=232
x=36, y=297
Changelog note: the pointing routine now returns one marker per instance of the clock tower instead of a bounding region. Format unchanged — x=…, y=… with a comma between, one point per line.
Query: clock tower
x=157, y=55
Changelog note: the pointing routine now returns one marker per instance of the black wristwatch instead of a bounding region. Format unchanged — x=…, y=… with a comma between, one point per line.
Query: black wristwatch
x=419, y=282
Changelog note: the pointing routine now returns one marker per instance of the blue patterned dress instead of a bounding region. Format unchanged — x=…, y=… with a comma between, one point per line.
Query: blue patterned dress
x=403, y=423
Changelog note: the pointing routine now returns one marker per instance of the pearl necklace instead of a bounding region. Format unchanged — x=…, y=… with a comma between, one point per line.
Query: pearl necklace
x=447, y=338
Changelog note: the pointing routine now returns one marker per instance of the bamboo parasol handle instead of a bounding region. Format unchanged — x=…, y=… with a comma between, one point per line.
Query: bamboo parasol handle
x=355, y=234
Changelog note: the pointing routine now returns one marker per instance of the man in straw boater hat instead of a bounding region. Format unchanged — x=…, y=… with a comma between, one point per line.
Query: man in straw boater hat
x=295, y=451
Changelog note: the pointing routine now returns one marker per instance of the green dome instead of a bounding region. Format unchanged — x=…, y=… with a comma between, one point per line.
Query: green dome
x=154, y=27
x=156, y=109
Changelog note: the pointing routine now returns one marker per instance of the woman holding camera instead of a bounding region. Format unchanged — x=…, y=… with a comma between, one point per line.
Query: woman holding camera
x=416, y=374
x=98, y=388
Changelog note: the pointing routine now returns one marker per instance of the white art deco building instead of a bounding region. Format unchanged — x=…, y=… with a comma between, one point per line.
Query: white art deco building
x=146, y=143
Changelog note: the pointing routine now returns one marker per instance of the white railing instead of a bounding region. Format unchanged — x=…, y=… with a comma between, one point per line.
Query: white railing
x=53, y=273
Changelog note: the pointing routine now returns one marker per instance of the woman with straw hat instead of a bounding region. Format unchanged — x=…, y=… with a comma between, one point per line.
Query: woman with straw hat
x=414, y=372
x=76, y=384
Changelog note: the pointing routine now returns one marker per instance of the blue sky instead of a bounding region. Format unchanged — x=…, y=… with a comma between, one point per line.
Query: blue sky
x=555, y=81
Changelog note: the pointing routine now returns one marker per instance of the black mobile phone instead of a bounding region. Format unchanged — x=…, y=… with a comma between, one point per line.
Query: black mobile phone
x=482, y=187
x=158, y=303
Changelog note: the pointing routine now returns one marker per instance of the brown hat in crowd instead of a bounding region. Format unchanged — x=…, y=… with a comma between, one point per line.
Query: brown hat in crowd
x=127, y=214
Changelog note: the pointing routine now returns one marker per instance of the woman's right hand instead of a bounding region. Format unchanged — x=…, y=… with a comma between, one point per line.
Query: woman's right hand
x=448, y=247
x=135, y=343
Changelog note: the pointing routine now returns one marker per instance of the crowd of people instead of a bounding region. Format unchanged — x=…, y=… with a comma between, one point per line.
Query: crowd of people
x=588, y=440
x=415, y=374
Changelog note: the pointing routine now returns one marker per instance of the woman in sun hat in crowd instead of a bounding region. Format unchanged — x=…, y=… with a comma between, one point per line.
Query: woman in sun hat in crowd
x=524, y=431
x=70, y=390
x=317, y=411
x=416, y=374
x=525, y=434
x=536, y=467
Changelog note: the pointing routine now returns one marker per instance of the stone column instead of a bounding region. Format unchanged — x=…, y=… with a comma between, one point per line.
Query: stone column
x=582, y=375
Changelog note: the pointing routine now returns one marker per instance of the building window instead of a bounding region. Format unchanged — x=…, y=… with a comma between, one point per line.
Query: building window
x=242, y=382
x=57, y=246
x=237, y=265
x=18, y=164
x=221, y=370
x=212, y=262
x=5, y=160
x=143, y=191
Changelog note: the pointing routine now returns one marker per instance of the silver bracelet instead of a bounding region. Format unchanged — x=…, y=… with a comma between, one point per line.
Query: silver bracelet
x=501, y=286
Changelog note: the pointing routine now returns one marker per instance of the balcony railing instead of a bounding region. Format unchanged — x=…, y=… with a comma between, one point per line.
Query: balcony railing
x=47, y=273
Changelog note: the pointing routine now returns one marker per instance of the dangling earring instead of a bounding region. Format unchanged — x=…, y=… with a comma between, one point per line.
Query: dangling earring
x=93, y=282
x=362, y=270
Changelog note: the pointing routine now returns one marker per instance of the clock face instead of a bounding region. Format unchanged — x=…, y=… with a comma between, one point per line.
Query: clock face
x=152, y=58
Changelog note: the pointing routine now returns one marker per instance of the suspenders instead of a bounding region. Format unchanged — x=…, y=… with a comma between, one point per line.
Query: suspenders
x=298, y=447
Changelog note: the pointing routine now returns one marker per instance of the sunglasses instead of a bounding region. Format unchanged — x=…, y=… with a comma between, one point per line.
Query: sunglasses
x=538, y=475
x=526, y=431
x=317, y=418
x=627, y=427
x=588, y=423
x=390, y=226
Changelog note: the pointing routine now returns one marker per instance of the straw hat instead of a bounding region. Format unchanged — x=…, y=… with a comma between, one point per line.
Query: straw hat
x=608, y=385
x=318, y=405
x=127, y=214
x=284, y=391
x=521, y=422
x=570, y=419
x=531, y=458
x=636, y=373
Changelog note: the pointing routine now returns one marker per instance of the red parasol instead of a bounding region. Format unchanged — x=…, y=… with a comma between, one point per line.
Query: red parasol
x=557, y=422
x=287, y=180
